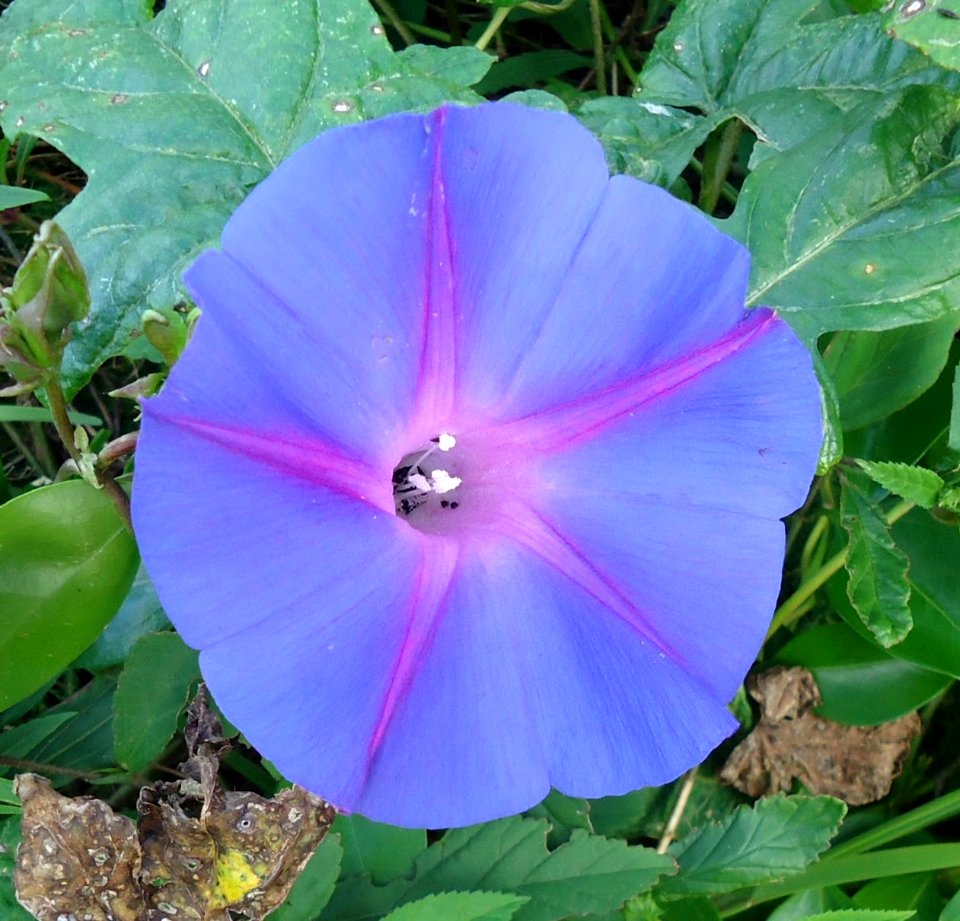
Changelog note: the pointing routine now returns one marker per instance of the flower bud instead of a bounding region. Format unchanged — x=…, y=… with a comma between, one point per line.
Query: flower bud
x=49, y=293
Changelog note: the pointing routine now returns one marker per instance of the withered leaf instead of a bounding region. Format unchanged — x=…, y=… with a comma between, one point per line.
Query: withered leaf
x=856, y=764
x=243, y=853
x=78, y=858
x=199, y=853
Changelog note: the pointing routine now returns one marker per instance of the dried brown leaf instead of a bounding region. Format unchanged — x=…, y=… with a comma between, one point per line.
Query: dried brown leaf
x=78, y=858
x=854, y=763
x=198, y=854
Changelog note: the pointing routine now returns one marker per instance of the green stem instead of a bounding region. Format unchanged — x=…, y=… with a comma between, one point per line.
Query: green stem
x=58, y=408
x=386, y=7
x=614, y=38
x=497, y=20
x=854, y=868
x=943, y=808
x=599, y=54
x=717, y=161
x=806, y=555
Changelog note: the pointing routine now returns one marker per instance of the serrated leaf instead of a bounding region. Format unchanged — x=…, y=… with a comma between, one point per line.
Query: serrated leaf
x=774, y=838
x=586, y=875
x=154, y=687
x=915, y=484
x=933, y=549
x=460, y=906
x=933, y=26
x=314, y=885
x=66, y=564
x=15, y=197
x=877, y=587
x=174, y=119
x=648, y=140
x=770, y=64
x=856, y=228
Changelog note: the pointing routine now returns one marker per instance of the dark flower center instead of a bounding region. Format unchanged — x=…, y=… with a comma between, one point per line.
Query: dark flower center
x=424, y=481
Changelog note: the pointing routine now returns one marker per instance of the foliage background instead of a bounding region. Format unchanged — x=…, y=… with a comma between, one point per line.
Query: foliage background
x=821, y=135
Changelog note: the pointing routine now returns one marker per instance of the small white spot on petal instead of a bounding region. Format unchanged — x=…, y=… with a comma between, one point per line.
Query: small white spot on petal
x=445, y=442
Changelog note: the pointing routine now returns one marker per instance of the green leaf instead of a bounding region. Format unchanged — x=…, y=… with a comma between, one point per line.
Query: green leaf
x=314, y=885
x=768, y=63
x=648, y=140
x=84, y=742
x=530, y=68
x=10, y=413
x=776, y=837
x=140, y=614
x=382, y=852
x=854, y=914
x=810, y=902
x=933, y=26
x=953, y=437
x=20, y=740
x=153, y=689
x=917, y=892
x=176, y=118
x=877, y=373
x=10, y=908
x=587, y=874
x=877, y=588
x=951, y=911
x=860, y=683
x=15, y=197
x=915, y=484
x=856, y=227
x=933, y=549
x=66, y=563
x=460, y=906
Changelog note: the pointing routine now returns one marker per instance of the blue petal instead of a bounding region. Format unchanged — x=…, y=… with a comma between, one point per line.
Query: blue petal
x=529, y=682
x=520, y=189
x=324, y=270
x=651, y=280
x=677, y=502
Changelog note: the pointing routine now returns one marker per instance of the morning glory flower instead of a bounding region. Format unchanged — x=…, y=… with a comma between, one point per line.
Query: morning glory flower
x=471, y=480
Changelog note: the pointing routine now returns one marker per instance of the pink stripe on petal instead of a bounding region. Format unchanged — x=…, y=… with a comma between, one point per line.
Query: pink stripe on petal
x=313, y=461
x=538, y=535
x=564, y=426
x=437, y=380
x=438, y=568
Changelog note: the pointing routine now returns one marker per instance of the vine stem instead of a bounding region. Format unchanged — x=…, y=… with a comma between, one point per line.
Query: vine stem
x=599, y=54
x=792, y=608
x=497, y=20
x=394, y=18
x=678, y=810
x=57, y=402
